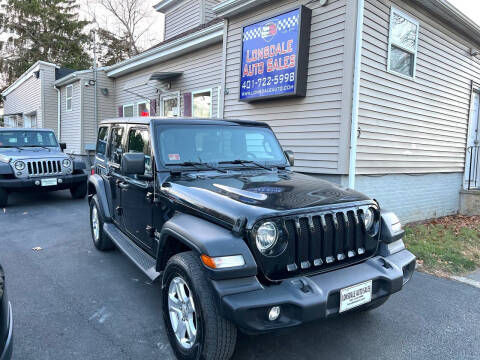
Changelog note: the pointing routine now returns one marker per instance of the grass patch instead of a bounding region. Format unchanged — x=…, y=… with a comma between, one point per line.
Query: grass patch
x=446, y=246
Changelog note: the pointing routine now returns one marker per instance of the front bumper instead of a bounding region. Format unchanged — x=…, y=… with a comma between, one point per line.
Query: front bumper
x=6, y=351
x=67, y=182
x=307, y=298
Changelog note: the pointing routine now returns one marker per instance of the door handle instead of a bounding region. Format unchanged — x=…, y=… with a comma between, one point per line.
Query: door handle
x=123, y=185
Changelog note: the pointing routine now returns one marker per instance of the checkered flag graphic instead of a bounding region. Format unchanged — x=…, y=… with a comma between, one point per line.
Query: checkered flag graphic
x=282, y=25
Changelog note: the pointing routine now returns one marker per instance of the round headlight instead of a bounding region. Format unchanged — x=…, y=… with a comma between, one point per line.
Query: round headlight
x=369, y=218
x=19, y=165
x=267, y=236
x=66, y=163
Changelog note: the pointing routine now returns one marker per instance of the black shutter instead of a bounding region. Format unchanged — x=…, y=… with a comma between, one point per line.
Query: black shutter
x=187, y=104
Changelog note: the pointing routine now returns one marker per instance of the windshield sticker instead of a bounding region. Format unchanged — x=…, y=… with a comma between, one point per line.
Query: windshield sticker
x=174, y=157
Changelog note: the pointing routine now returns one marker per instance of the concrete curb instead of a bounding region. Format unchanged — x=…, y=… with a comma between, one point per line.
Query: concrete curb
x=466, y=281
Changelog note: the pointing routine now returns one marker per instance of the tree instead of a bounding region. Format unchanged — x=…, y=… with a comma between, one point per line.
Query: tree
x=128, y=23
x=47, y=30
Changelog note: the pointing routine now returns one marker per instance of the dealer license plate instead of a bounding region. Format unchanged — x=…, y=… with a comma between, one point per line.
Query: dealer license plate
x=355, y=295
x=49, y=182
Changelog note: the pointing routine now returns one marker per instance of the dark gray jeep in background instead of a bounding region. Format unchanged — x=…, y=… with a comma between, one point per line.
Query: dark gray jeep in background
x=239, y=240
x=32, y=159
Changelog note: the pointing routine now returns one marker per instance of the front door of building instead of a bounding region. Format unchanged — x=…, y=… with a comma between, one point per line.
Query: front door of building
x=472, y=158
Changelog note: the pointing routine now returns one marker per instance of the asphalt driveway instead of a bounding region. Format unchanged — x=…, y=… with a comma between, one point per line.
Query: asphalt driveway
x=73, y=302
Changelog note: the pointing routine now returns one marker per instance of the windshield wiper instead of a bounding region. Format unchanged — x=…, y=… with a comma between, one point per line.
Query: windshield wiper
x=243, y=162
x=198, y=165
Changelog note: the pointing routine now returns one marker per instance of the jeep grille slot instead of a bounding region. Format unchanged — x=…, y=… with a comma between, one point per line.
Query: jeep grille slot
x=320, y=242
x=44, y=167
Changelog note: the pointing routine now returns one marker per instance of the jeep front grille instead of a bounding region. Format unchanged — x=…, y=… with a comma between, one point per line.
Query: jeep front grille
x=44, y=167
x=320, y=242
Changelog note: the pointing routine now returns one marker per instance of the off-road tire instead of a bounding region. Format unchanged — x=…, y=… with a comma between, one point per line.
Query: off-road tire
x=3, y=197
x=103, y=243
x=216, y=336
x=79, y=191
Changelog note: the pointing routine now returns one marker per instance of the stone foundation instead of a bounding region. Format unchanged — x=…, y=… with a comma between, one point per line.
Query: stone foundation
x=470, y=202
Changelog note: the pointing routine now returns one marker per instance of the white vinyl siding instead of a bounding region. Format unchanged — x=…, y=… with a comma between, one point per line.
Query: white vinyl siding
x=68, y=97
x=209, y=5
x=71, y=124
x=199, y=72
x=413, y=126
x=182, y=18
x=311, y=126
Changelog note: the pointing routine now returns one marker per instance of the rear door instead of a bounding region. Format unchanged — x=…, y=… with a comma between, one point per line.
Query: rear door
x=137, y=193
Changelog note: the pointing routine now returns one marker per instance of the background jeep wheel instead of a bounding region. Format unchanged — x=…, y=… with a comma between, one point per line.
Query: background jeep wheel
x=3, y=197
x=101, y=241
x=194, y=325
x=79, y=191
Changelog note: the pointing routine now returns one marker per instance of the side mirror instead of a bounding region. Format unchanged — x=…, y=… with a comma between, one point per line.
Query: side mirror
x=290, y=157
x=63, y=146
x=133, y=164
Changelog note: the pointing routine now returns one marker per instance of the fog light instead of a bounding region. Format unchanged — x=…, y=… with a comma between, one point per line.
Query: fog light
x=274, y=313
x=60, y=181
x=37, y=182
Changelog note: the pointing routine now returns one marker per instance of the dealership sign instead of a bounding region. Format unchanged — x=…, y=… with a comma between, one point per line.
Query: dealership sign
x=275, y=56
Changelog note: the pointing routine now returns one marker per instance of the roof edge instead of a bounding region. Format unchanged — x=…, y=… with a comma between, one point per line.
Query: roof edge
x=165, y=5
x=26, y=75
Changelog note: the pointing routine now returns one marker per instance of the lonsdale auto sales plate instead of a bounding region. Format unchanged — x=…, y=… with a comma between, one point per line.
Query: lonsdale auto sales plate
x=355, y=295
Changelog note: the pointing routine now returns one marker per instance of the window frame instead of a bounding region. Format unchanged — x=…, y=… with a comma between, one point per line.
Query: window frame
x=195, y=92
x=128, y=105
x=150, y=145
x=104, y=156
x=68, y=98
x=168, y=96
x=144, y=102
x=108, y=155
x=391, y=43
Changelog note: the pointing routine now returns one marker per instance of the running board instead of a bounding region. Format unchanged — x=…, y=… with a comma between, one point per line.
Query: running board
x=139, y=257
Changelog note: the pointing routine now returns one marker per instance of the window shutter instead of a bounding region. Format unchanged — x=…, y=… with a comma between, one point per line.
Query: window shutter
x=187, y=104
x=120, y=111
x=153, y=107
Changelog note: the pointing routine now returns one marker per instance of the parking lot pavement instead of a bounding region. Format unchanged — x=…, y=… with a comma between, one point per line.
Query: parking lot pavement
x=73, y=302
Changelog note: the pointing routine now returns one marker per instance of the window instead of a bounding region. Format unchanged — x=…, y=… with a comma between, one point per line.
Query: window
x=202, y=104
x=69, y=96
x=116, y=149
x=169, y=104
x=138, y=142
x=128, y=110
x=403, y=43
x=143, y=109
x=102, y=141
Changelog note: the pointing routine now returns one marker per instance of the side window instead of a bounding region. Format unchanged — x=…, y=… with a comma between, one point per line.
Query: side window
x=102, y=142
x=115, y=152
x=139, y=142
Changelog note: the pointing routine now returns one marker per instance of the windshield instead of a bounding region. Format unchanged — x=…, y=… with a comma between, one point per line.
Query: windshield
x=18, y=138
x=216, y=144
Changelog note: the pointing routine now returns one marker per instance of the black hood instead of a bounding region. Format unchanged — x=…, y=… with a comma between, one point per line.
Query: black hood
x=253, y=194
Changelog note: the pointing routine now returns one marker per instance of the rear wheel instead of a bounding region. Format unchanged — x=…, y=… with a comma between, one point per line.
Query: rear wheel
x=101, y=241
x=79, y=191
x=3, y=197
x=194, y=325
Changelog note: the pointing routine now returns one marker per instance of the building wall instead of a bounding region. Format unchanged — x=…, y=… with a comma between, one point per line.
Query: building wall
x=200, y=71
x=50, y=98
x=71, y=126
x=316, y=127
x=180, y=18
x=414, y=126
x=208, y=11
x=414, y=197
x=26, y=98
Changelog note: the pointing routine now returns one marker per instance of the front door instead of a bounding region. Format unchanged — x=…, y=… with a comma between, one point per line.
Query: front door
x=472, y=158
x=137, y=194
x=114, y=177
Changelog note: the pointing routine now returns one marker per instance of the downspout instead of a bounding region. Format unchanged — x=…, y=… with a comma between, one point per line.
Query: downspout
x=59, y=114
x=356, y=95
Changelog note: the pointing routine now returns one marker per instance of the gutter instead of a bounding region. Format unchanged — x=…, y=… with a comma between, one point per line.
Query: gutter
x=233, y=7
x=356, y=94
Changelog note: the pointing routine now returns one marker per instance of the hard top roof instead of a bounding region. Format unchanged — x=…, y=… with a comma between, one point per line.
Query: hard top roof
x=22, y=129
x=180, y=121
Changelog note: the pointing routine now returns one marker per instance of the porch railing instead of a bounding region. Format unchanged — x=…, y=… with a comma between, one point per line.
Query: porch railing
x=473, y=153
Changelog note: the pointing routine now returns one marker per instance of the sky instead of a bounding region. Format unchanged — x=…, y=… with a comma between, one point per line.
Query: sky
x=471, y=8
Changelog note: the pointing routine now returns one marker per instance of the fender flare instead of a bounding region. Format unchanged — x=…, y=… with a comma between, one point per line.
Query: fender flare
x=5, y=169
x=99, y=184
x=205, y=237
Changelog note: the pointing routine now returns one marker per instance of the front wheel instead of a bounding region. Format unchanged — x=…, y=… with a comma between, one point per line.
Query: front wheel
x=195, y=327
x=79, y=191
x=101, y=241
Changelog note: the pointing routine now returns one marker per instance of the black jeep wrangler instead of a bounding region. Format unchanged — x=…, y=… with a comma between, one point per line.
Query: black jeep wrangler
x=238, y=239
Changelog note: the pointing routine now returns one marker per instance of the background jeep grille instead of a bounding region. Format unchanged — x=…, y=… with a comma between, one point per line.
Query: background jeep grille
x=320, y=242
x=44, y=167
